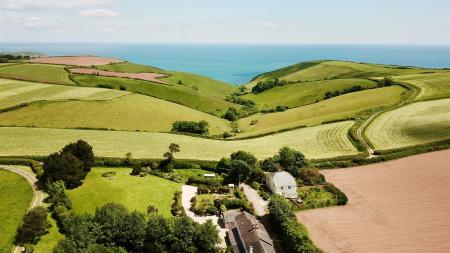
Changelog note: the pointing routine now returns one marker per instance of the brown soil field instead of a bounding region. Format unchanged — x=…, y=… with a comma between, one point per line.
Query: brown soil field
x=75, y=60
x=152, y=77
x=397, y=206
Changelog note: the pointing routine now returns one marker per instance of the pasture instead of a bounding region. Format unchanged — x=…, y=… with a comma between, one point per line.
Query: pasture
x=129, y=67
x=413, y=124
x=322, y=141
x=15, y=198
x=398, y=206
x=432, y=86
x=341, y=107
x=75, y=60
x=151, y=77
x=323, y=70
x=299, y=94
x=134, y=192
x=37, y=73
x=14, y=92
x=200, y=99
x=131, y=112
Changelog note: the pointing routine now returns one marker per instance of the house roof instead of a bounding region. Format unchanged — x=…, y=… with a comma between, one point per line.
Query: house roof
x=282, y=178
x=248, y=232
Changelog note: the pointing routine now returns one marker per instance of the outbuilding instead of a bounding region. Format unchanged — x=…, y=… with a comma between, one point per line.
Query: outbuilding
x=282, y=183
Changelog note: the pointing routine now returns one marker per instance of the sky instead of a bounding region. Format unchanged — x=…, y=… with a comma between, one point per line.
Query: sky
x=226, y=21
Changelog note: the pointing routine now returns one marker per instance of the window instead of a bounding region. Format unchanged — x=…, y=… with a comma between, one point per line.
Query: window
x=289, y=187
x=281, y=187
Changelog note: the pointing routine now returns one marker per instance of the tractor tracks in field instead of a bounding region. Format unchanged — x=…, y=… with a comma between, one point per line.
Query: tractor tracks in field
x=38, y=195
x=360, y=131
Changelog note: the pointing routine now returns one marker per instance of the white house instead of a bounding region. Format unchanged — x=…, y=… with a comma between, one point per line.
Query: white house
x=282, y=183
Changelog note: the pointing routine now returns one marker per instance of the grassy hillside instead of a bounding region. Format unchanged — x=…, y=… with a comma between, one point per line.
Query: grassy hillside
x=413, y=124
x=341, y=107
x=15, y=194
x=37, y=72
x=129, y=67
x=315, y=142
x=298, y=94
x=322, y=70
x=198, y=99
x=432, y=86
x=131, y=112
x=14, y=92
x=134, y=192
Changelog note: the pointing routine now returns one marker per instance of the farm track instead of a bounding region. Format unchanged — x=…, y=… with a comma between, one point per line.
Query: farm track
x=362, y=128
x=38, y=196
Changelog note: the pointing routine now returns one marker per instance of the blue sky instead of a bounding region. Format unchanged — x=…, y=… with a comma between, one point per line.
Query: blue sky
x=227, y=21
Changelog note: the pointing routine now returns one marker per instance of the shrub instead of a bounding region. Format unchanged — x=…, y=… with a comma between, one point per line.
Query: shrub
x=232, y=114
x=105, y=86
x=265, y=85
x=109, y=174
x=235, y=98
x=34, y=225
x=193, y=127
x=311, y=176
x=177, y=207
x=341, y=198
x=200, y=180
x=58, y=195
x=330, y=94
x=122, y=87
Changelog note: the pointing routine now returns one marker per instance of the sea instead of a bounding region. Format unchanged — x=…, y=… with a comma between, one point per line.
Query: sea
x=239, y=63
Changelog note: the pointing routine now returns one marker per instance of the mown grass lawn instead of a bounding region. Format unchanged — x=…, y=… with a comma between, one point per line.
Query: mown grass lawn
x=432, y=86
x=134, y=192
x=15, y=198
x=37, y=72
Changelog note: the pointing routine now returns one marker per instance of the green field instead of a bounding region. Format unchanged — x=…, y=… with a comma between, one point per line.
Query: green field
x=413, y=124
x=129, y=67
x=200, y=99
x=322, y=70
x=432, y=86
x=134, y=192
x=131, y=112
x=341, y=107
x=299, y=94
x=323, y=141
x=15, y=197
x=14, y=92
x=37, y=72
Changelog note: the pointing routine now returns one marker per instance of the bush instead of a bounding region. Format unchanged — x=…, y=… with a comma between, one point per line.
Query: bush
x=35, y=225
x=177, y=207
x=58, y=195
x=109, y=174
x=330, y=94
x=105, y=86
x=35, y=166
x=200, y=180
x=122, y=87
x=311, y=176
x=265, y=85
x=341, y=198
x=193, y=127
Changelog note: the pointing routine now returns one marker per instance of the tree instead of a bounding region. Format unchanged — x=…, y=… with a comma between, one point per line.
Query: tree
x=207, y=237
x=239, y=171
x=133, y=232
x=83, y=151
x=58, y=196
x=34, y=225
x=291, y=160
x=247, y=157
x=173, y=148
x=159, y=234
x=63, y=166
x=224, y=165
x=184, y=232
x=270, y=164
x=231, y=114
x=81, y=230
x=311, y=176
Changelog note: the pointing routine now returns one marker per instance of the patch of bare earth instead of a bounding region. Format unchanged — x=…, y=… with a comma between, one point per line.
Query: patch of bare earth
x=75, y=60
x=152, y=77
x=397, y=206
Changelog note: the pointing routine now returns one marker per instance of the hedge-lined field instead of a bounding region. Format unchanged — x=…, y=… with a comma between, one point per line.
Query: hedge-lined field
x=432, y=86
x=14, y=92
x=16, y=195
x=315, y=142
x=337, y=108
x=131, y=112
x=134, y=192
x=298, y=94
x=37, y=72
x=413, y=124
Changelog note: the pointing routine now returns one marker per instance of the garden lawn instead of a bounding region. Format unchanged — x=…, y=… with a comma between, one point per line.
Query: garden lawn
x=37, y=72
x=187, y=173
x=322, y=141
x=49, y=241
x=134, y=192
x=338, y=108
x=15, y=197
x=413, y=124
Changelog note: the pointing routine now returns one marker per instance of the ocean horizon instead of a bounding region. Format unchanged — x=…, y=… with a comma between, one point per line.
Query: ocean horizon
x=239, y=63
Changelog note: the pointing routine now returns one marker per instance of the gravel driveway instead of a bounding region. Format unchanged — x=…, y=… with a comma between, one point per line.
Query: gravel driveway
x=259, y=204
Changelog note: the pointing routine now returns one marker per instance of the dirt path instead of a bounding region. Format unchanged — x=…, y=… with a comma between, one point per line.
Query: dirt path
x=400, y=206
x=259, y=204
x=188, y=192
x=38, y=196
